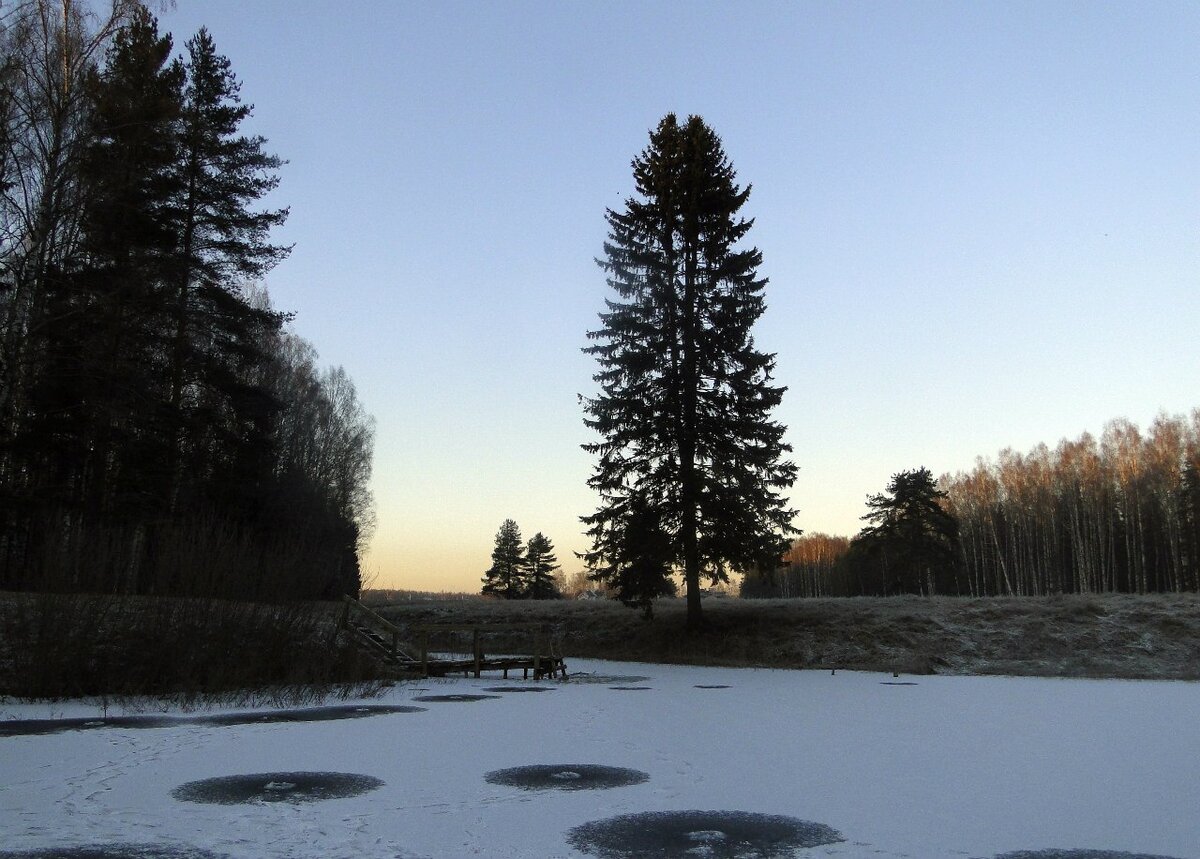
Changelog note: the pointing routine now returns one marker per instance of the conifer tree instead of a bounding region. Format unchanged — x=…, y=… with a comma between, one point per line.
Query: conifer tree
x=222, y=242
x=637, y=557
x=541, y=565
x=117, y=302
x=913, y=540
x=506, y=578
x=685, y=397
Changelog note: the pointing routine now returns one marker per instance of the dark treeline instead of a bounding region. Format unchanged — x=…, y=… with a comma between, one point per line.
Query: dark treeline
x=1119, y=513
x=160, y=429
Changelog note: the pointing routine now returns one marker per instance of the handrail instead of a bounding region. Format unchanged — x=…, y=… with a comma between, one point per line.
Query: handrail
x=543, y=638
x=377, y=619
x=381, y=624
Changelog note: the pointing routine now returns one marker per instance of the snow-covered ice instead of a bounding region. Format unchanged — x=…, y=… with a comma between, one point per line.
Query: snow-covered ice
x=950, y=767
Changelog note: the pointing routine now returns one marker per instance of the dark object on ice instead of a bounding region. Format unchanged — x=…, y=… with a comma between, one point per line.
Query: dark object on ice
x=276, y=787
x=519, y=689
x=710, y=686
x=895, y=683
x=114, y=851
x=631, y=688
x=441, y=699
x=1077, y=854
x=606, y=678
x=30, y=727
x=721, y=834
x=566, y=777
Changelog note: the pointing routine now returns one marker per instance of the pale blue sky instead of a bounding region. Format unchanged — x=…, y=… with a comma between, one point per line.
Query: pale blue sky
x=981, y=223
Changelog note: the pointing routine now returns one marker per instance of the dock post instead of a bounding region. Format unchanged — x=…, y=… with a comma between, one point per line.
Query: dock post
x=475, y=649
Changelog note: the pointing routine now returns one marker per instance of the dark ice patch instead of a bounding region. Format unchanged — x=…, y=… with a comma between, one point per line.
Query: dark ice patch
x=710, y=686
x=606, y=679
x=519, y=689
x=1077, y=854
x=291, y=787
x=896, y=683
x=631, y=688
x=566, y=777
x=311, y=714
x=442, y=699
x=716, y=834
x=114, y=851
x=31, y=727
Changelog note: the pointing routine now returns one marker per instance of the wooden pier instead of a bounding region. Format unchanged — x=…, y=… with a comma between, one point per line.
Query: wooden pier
x=428, y=655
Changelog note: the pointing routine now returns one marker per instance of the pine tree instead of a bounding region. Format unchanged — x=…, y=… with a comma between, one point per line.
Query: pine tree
x=685, y=396
x=913, y=539
x=506, y=578
x=541, y=565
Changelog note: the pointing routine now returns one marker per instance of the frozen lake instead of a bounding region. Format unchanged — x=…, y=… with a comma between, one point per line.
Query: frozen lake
x=921, y=767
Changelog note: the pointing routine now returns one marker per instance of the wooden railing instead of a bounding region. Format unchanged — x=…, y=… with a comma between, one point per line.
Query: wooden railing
x=544, y=658
x=352, y=608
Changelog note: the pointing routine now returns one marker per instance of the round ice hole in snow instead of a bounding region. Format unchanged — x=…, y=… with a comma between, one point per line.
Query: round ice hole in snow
x=1077, y=854
x=711, y=686
x=114, y=851
x=444, y=699
x=566, y=777
x=631, y=688
x=724, y=834
x=275, y=787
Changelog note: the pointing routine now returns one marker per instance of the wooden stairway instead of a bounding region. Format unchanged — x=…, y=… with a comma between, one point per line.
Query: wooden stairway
x=380, y=639
x=377, y=637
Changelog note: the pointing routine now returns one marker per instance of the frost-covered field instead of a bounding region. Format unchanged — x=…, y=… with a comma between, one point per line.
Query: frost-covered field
x=948, y=767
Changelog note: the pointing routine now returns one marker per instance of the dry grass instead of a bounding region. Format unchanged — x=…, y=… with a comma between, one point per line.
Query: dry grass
x=189, y=651
x=1112, y=635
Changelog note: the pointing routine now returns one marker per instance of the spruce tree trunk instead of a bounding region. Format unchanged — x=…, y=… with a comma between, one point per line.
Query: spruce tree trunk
x=689, y=491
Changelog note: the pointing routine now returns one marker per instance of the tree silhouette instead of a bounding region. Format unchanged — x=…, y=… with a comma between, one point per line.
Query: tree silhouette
x=637, y=557
x=684, y=403
x=913, y=540
x=506, y=577
x=540, y=566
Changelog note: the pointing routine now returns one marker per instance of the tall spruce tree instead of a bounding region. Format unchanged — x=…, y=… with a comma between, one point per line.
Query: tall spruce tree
x=540, y=565
x=506, y=578
x=128, y=241
x=223, y=242
x=685, y=396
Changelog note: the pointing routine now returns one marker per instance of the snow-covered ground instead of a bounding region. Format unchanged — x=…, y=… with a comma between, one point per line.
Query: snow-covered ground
x=948, y=767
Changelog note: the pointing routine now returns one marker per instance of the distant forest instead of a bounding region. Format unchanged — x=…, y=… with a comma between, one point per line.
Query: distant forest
x=1119, y=513
x=161, y=430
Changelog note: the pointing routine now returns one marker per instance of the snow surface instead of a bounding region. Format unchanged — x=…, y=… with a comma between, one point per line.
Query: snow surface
x=950, y=767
